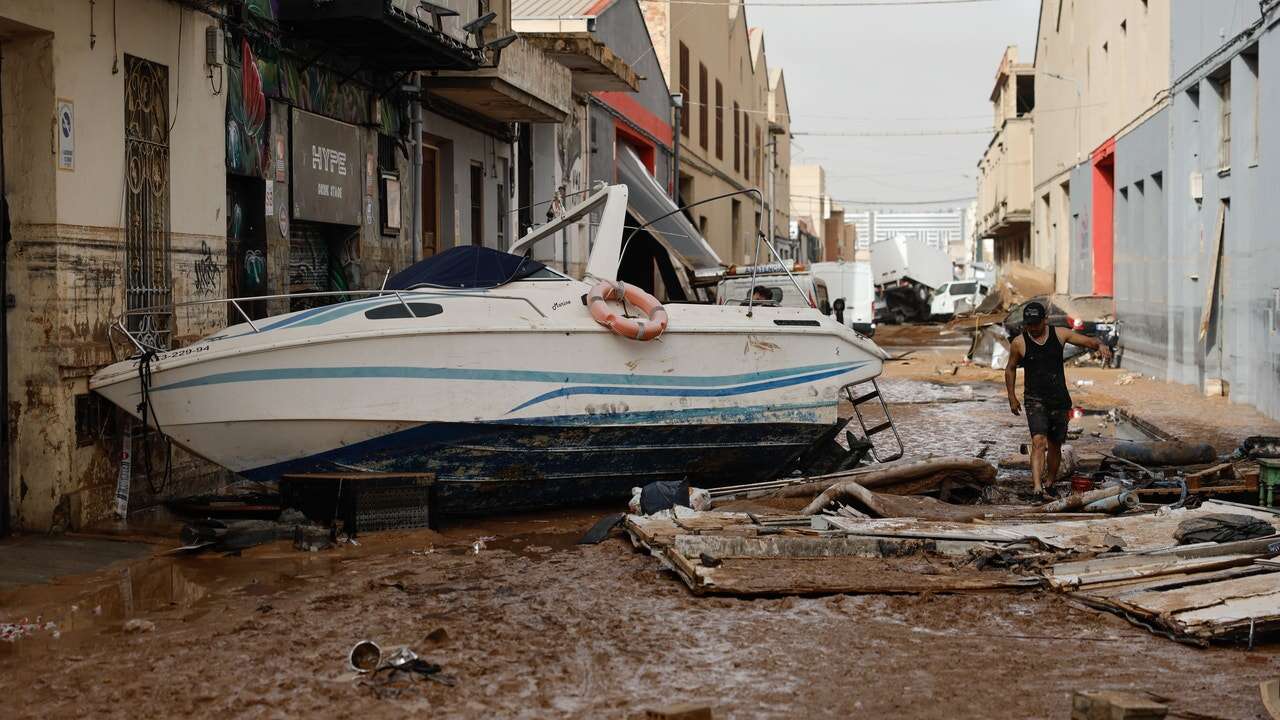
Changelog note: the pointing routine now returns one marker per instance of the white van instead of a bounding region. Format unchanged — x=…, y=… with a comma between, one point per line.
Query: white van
x=852, y=291
x=957, y=296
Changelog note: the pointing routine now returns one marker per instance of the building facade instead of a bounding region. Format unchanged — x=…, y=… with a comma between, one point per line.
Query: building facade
x=938, y=228
x=1171, y=209
x=1219, y=302
x=259, y=147
x=1100, y=69
x=1004, y=172
x=717, y=64
x=809, y=201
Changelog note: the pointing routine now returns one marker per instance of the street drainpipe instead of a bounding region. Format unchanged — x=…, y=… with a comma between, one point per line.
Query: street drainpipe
x=415, y=175
x=677, y=104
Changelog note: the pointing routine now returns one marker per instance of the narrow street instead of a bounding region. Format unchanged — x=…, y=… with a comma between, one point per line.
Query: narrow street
x=640, y=359
x=532, y=625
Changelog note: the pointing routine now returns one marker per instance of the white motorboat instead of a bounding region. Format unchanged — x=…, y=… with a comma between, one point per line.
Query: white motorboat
x=513, y=395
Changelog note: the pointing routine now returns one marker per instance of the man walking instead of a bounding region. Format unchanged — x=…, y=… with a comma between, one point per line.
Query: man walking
x=1039, y=351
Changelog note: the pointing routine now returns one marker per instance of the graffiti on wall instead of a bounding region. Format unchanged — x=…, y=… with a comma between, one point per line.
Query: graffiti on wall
x=205, y=272
x=246, y=115
x=257, y=72
x=569, y=144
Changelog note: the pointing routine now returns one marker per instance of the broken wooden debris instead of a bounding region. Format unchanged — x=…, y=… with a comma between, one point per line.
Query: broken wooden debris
x=1115, y=705
x=900, y=477
x=1198, y=593
x=747, y=561
x=866, y=502
x=1236, y=604
x=1133, y=532
x=680, y=711
x=1271, y=697
x=1078, y=501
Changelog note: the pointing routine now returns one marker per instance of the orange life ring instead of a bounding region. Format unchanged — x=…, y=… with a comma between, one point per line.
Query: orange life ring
x=634, y=328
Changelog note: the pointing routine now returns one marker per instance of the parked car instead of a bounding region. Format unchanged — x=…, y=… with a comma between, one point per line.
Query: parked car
x=957, y=296
x=1092, y=315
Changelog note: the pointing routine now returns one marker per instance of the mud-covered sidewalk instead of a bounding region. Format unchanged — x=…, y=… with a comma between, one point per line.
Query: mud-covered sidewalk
x=530, y=624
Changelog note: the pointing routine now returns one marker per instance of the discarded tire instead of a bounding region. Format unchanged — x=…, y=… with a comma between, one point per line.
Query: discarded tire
x=1165, y=453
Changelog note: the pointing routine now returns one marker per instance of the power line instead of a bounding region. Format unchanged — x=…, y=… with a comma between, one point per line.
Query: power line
x=846, y=201
x=898, y=133
x=821, y=3
x=689, y=103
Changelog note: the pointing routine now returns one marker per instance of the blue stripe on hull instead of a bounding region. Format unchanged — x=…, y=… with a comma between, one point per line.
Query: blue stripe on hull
x=484, y=467
x=475, y=374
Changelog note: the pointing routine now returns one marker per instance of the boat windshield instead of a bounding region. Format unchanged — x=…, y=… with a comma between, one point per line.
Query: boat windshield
x=736, y=290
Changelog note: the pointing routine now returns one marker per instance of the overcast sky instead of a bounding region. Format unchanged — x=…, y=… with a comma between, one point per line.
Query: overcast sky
x=866, y=69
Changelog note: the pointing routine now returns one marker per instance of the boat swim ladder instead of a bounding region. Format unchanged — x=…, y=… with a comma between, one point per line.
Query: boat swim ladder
x=869, y=433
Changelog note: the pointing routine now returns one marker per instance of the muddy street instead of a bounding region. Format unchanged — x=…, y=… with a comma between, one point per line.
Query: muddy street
x=523, y=622
x=532, y=626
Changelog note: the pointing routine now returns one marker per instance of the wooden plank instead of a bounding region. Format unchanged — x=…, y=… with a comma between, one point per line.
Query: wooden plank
x=749, y=577
x=1271, y=697
x=1115, y=705
x=681, y=711
x=1198, y=597
x=1154, y=569
x=1211, y=287
x=1208, y=473
x=1122, y=589
x=923, y=529
x=792, y=546
x=1198, y=490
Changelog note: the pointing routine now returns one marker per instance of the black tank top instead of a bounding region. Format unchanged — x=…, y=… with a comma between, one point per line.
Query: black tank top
x=1042, y=369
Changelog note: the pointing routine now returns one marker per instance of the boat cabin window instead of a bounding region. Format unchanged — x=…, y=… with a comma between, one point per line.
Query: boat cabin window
x=736, y=290
x=546, y=273
x=398, y=310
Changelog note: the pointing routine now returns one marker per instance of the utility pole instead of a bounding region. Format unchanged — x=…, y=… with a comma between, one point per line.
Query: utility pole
x=774, y=132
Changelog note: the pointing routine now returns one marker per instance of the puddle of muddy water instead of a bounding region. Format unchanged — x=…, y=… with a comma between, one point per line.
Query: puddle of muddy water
x=911, y=392
x=71, y=611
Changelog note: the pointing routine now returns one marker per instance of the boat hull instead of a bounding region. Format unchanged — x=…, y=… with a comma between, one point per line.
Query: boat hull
x=486, y=467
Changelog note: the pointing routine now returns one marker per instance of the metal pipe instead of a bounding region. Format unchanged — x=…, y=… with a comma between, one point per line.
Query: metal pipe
x=773, y=179
x=1113, y=504
x=677, y=104
x=405, y=304
x=415, y=175
x=245, y=315
x=4, y=334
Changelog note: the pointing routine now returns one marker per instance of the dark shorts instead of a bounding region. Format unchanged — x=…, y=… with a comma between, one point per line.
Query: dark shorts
x=1045, y=420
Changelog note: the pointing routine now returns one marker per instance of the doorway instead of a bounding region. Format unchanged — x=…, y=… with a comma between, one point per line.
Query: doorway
x=430, y=199
x=1104, y=186
x=477, y=204
x=246, y=246
x=1213, y=320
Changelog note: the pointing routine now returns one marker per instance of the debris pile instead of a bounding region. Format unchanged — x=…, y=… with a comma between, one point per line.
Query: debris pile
x=1197, y=574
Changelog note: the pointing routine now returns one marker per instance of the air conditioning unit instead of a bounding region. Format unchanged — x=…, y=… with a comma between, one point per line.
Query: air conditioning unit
x=1197, y=186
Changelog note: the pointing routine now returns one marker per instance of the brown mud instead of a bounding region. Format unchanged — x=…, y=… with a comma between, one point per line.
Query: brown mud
x=535, y=626
x=532, y=625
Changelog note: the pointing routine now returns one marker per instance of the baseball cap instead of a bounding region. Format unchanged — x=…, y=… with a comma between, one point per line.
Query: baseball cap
x=1033, y=312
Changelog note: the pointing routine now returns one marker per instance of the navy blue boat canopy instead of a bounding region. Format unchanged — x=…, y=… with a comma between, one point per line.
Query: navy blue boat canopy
x=465, y=266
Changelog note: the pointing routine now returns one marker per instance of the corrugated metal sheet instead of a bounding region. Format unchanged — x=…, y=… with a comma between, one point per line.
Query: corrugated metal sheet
x=522, y=9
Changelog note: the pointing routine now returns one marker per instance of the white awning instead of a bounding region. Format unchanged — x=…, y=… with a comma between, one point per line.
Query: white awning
x=648, y=201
